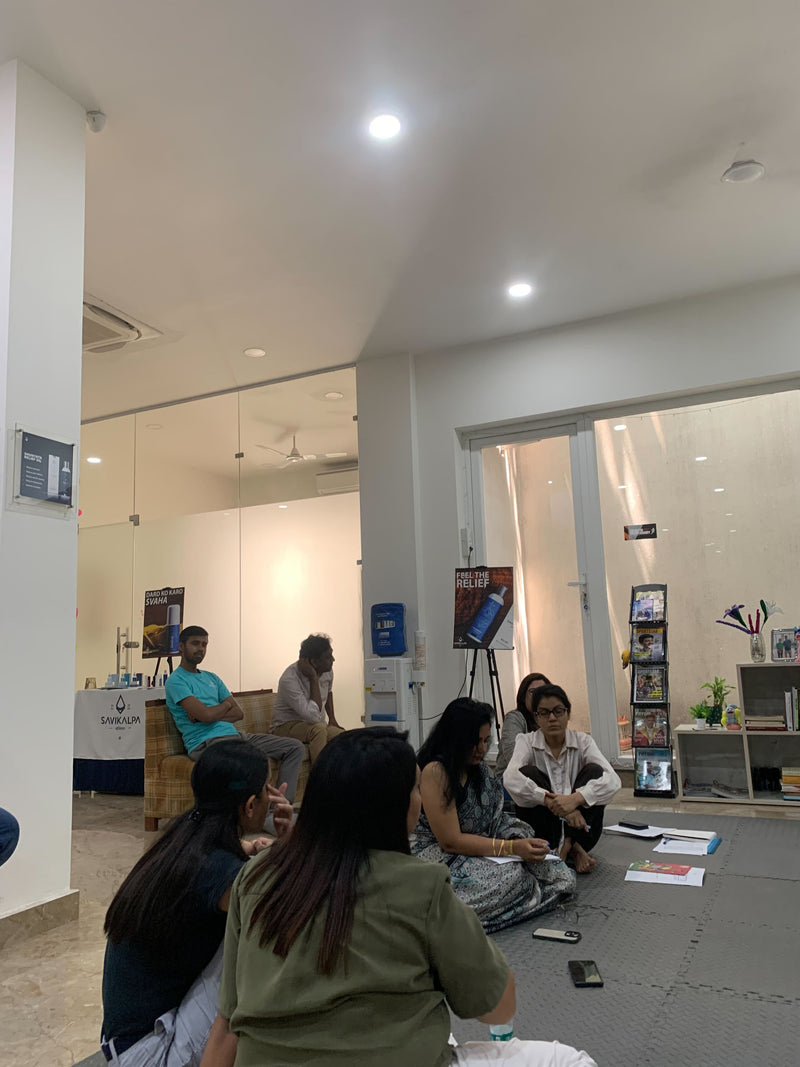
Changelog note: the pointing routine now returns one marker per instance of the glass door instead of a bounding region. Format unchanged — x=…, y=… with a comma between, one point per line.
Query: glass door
x=534, y=502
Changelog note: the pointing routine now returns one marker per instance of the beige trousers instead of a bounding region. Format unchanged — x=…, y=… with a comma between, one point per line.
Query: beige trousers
x=314, y=734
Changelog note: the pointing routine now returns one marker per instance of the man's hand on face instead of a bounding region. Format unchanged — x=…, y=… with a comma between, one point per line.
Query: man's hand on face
x=306, y=667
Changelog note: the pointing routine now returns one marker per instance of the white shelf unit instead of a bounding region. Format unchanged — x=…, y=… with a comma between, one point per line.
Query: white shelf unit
x=727, y=756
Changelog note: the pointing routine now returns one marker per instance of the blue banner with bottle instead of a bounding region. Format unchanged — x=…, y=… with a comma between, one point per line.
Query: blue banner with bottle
x=484, y=607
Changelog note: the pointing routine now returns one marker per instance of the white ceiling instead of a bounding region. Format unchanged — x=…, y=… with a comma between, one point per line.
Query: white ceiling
x=235, y=200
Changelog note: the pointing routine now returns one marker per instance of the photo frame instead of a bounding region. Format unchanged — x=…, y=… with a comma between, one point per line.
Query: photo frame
x=652, y=773
x=784, y=646
x=650, y=727
x=648, y=643
x=648, y=684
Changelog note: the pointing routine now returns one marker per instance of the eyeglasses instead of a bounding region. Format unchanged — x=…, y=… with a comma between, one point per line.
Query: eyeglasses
x=555, y=712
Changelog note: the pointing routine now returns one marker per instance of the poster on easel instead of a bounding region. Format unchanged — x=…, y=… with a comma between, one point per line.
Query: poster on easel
x=484, y=608
x=163, y=621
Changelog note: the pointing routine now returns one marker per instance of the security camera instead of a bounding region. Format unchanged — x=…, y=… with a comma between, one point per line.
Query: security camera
x=95, y=120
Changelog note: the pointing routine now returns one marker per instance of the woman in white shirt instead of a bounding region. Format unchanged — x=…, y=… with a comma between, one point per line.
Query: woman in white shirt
x=560, y=781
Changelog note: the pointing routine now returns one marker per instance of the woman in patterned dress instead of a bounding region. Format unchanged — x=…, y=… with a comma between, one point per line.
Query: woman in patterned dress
x=464, y=826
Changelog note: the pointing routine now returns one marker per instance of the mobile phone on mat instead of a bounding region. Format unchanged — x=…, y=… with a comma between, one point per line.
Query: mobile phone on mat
x=635, y=825
x=584, y=973
x=572, y=937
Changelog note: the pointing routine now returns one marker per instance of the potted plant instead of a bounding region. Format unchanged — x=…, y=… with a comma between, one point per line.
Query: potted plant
x=699, y=713
x=719, y=691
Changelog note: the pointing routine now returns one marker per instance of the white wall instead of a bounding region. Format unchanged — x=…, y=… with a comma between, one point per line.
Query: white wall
x=706, y=343
x=41, y=285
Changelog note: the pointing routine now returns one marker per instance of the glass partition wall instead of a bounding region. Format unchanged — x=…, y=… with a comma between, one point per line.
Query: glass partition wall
x=717, y=481
x=205, y=495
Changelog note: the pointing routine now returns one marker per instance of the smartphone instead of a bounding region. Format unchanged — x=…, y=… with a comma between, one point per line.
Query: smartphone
x=584, y=973
x=635, y=825
x=570, y=936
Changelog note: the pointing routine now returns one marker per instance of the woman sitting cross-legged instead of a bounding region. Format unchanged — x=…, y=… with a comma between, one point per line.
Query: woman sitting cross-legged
x=166, y=923
x=560, y=780
x=343, y=950
x=463, y=825
x=518, y=721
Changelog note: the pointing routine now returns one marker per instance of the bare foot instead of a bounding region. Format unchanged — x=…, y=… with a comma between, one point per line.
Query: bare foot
x=584, y=863
x=565, y=849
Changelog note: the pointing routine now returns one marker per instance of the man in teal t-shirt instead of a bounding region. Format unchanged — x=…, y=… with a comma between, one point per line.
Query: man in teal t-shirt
x=204, y=711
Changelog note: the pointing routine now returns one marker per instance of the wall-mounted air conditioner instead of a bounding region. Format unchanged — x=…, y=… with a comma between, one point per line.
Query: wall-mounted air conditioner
x=342, y=481
x=106, y=329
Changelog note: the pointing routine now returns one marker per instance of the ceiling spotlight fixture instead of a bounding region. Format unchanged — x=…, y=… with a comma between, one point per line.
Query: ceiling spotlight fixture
x=93, y=459
x=283, y=506
x=550, y=481
x=333, y=395
x=620, y=426
x=255, y=353
x=719, y=490
x=700, y=459
x=384, y=127
x=743, y=171
x=622, y=487
x=519, y=290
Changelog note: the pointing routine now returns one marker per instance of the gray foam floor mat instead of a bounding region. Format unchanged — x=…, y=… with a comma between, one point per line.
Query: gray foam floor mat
x=703, y=976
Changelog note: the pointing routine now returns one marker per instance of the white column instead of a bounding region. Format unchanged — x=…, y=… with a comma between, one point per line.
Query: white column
x=41, y=284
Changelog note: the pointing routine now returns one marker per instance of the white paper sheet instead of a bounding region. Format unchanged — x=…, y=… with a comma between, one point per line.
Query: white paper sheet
x=682, y=848
x=504, y=859
x=666, y=831
x=694, y=877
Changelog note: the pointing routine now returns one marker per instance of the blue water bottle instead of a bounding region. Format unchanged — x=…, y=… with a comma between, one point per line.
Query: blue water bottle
x=485, y=617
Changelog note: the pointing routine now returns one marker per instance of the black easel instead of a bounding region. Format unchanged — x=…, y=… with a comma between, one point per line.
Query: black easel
x=158, y=664
x=494, y=680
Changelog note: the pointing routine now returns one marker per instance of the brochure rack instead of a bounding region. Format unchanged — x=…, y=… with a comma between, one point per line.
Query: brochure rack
x=649, y=665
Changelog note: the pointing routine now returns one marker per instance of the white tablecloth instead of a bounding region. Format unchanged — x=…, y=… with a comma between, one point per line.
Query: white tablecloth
x=109, y=723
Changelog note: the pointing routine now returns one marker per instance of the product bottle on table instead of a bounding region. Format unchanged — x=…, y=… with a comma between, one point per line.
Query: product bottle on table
x=502, y=1031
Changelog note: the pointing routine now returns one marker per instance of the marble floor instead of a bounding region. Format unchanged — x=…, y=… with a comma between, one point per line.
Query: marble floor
x=50, y=1006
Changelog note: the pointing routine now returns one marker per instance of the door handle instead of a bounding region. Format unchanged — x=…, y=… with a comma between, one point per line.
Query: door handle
x=583, y=585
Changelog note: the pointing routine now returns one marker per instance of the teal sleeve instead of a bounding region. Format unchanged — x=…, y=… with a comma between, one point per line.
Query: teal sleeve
x=177, y=689
x=223, y=690
x=470, y=969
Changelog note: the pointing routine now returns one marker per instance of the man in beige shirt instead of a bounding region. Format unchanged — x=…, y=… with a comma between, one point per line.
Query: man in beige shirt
x=305, y=697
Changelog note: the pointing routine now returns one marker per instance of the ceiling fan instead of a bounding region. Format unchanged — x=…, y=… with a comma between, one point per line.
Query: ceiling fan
x=291, y=457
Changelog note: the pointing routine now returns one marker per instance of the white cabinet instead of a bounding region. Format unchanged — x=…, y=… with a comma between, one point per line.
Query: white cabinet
x=742, y=766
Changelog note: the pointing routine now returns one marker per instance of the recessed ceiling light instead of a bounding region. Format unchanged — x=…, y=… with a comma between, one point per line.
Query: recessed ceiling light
x=719, y=490
x=333, y=395
x=255, y=353
x=620, y=426
x=622, y=487
x=665, y=529
x=335, y=455
x=728, y=514
x=700, y=459
x=93, y=459
x=744, y=170
x=384, y=127
x=731, y=531
x=283, y=505
x=550, y=482
x=519, y=290
x=153, y=426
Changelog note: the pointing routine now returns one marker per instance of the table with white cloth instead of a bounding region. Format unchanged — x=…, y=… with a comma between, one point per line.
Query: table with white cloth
x=108, y=746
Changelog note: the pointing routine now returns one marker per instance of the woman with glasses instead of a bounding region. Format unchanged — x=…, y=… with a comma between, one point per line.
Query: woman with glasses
x=560, y=780
x=518, y=721
x=463, y=825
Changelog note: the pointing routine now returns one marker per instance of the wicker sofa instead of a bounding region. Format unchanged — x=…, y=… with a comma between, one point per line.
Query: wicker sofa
x=167, y=768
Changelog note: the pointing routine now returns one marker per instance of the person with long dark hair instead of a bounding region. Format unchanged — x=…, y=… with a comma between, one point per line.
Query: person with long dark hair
x=166, y=922
x=464, y=826
x=343, y=950
x=519, y=720
x=560, y=781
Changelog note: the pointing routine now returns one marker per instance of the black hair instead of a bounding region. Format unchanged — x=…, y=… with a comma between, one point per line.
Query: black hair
x=149, y=908
x=191, y=631
x=453, y=739
x=314, y=646
x=548, y=691
x=522, y=692
x=356, y=799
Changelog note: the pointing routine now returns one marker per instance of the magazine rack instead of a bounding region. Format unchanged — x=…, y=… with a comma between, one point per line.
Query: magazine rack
x=649, y=664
